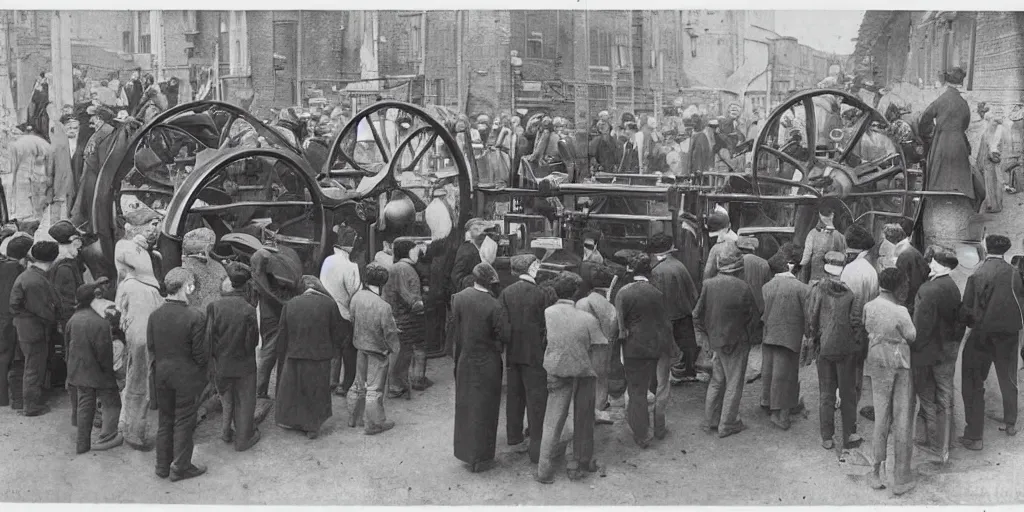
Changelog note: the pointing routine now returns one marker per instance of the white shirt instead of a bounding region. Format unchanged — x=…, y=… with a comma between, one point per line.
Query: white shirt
x=340, y=277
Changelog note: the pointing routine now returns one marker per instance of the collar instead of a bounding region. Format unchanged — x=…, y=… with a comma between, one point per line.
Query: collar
x=407, y=260
x=640, y=278
x=528, y=278
x=786, y=275
x=995, y=257
x=862, y=255
x=177, y=301
x=479, y=288
x=729, y=236
x=902, y=245
x=565, y=301
x=943, y=273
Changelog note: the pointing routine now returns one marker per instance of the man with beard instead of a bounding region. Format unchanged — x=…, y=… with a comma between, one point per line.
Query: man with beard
x=138, y=296
x=66, y=277
x=96, y=151
x=34, y=306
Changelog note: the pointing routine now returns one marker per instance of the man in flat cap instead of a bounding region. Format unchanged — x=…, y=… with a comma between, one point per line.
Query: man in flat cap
x=231, y=330
x=720, y=228
x=91, y=371
x=34, y=305
x=138, y=296
x=756, y=273
x=196, y=247
x=340, y=275
x=12, y=362
x=176, y=342
x=943, y=125
x=522, y=313
x=66, y=276
x=727, y=317
x=672, y=278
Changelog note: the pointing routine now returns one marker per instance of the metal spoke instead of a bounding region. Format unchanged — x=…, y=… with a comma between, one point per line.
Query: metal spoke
x=787, y=158
x=247, y=204
x=810, y=128
x=377, y=138
x=423, y=151
x=862, y=128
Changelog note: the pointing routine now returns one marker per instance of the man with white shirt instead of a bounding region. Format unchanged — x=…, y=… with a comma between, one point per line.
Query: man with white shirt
x=340, y=275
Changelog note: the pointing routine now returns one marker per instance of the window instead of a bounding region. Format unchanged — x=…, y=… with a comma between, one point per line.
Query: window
x=225, y=53
x=535, y=45
x=127, y=42
x=600, y=48
x=144, y=33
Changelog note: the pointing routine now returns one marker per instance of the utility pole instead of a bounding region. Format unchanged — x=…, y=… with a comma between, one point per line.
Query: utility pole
x=298, y=61
x=61, y=86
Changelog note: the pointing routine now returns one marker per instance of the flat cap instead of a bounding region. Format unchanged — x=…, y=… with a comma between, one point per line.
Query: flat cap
x=747, y=243
x=64, y=232
x=717, y=221
x=45, y=251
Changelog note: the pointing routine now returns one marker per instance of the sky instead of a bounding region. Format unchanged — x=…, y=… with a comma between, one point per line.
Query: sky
x=828, y=31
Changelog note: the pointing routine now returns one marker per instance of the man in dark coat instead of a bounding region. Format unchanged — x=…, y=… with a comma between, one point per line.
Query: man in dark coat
x=276, y=274
x=467, y=256
x=178, y=349
x=66, y=276
x=522, y=314
x=646, y=329
x=233, y=337
x=726, y=316
x=756, y=273
x=785, y=301
x=34, y=304
x=943, y=125
x=12, y=362
x=91, y=371
x=938, y=319
x=910, y=261
x=674, y=281
x=992, y=300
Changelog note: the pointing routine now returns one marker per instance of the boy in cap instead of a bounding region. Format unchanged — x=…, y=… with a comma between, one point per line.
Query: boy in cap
x=648, y=349
x=824, y=238
x=231, y=330
x=992, y=300
x=340, y=276
x=671, y=277
x=833, y=317
x=726, y=316
x=375, y=335
x=66, y=276
x=891, y=332
x=862, y=279
x=34, y=306
x=940, y=326
x=719, y=228
x=785, y=301
x=522, y=313
x=91, y=371
x=176, y=340
x=12, y=362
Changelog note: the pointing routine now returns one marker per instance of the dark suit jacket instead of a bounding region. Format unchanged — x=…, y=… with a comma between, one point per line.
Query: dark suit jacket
x=992, y=297
x=912, y=263
x=231, y=329
x=66, y=277
x=176, y=339
x=466, y=257
x=523, y=323
x=9, y=272
x=644, y=321
x=939, y=320
x=90, y=351
x=672, y=278
x=726, y=313
x=311, y=328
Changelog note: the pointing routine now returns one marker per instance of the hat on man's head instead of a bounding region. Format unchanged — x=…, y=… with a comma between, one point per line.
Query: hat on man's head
x=238, y=273
x=484, y=273
x=64, y=232
x=947, y=259
x=834, y=262
x=660, y=243
x=521, y=263
x=85, y=294
x=477, y=221
x=177, y=278
x=778, y=263
x=747, y=243
x=730, y=262
x=45, y=251
x=19, y=246
x=858, y=238
x=198, y=241
x=717, y=221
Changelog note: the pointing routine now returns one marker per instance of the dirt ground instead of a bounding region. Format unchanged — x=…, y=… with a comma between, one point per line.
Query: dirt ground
x=413, y=464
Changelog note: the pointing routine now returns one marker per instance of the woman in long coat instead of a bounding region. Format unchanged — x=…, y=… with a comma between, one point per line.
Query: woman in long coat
x=478, y=346
x=309, y=336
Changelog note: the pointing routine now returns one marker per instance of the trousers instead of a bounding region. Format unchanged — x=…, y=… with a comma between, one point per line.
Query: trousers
x=33, y=341
x=369, y=379
x=8, y=350
x=837, y=372
x=686, y=339
x=527, y=393
x=934, y=386
x=728, y=375
x=601, y=361
x=639, y=373
x=267, y=359
x=177, y=425
x=893, y=395
x=238, y=397
x=981, y=352
x=562, y=391
x=346, y=360
x=135, y=397
x=86, y=406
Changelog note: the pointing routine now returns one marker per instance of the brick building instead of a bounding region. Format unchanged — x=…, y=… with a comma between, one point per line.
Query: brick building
x=797, y=67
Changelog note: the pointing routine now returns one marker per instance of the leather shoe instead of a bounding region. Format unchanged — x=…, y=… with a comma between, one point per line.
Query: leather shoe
x=39, y=411
x=191, y=472
x=1011, y=430
x=377, y=429
x=163, y=472
x=972, y=444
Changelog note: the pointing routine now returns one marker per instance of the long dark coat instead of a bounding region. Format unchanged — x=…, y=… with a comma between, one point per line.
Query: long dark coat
x=478, y=344
x=945, y=124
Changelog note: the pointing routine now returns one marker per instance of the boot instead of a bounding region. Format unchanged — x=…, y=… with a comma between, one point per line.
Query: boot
x=356, y=417
x=875, y=477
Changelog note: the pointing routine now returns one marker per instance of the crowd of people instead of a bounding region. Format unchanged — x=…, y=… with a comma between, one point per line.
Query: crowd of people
x=895, y=321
